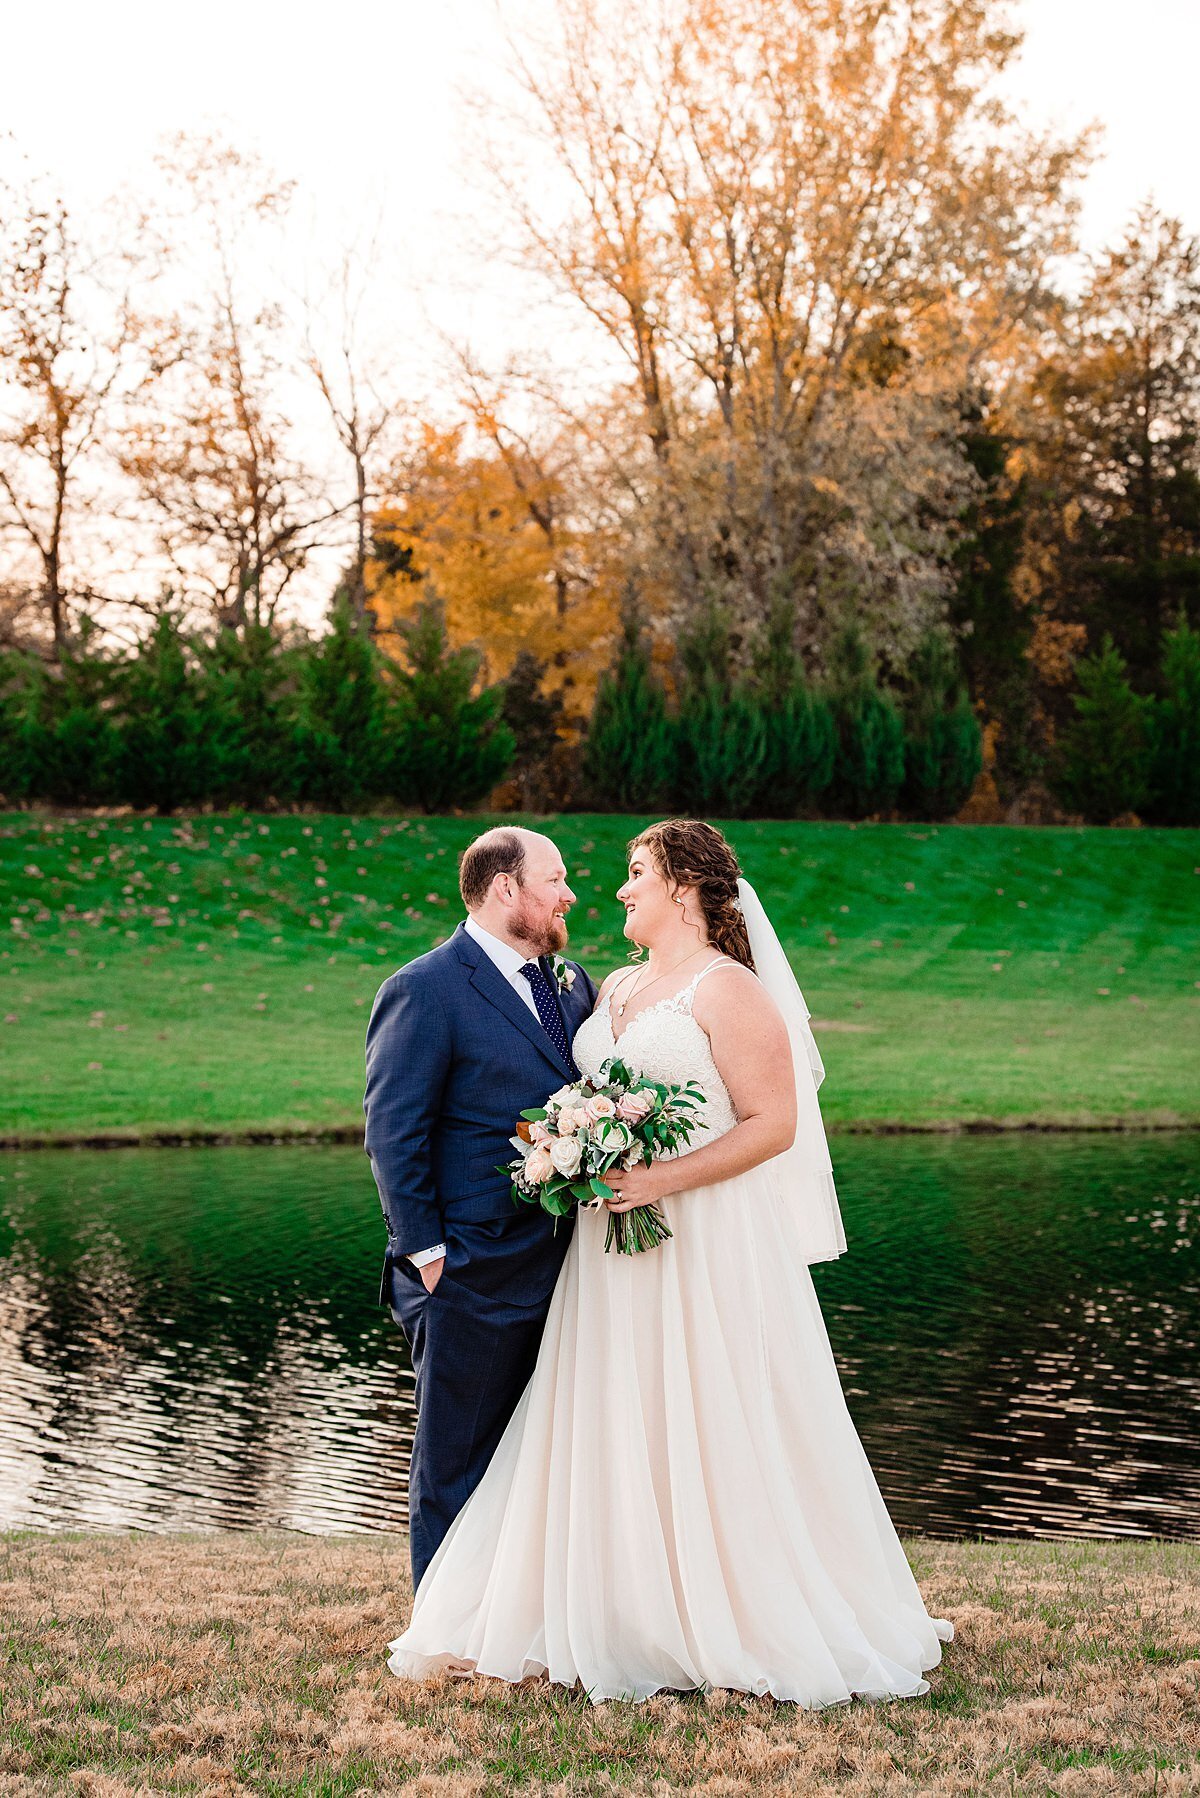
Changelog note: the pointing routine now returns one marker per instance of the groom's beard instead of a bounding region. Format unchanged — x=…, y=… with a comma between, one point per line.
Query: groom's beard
x=541, y=936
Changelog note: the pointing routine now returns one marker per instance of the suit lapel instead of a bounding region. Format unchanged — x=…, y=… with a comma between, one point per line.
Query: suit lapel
x=491, y=985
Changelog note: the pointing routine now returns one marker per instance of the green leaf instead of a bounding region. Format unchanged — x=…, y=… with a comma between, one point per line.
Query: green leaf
x=536, y=1116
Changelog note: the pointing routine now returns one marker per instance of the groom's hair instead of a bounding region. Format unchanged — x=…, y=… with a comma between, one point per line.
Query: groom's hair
x=499, y=851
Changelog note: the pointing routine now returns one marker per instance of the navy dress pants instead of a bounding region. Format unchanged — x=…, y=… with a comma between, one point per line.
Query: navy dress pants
x=474, y=1341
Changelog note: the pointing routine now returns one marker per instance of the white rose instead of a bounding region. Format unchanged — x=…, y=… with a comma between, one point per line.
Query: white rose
x=611, y=1135
x=566, y=1154
x=599, y=1107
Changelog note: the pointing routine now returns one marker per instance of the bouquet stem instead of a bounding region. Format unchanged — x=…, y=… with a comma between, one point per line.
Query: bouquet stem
x=629, y=1232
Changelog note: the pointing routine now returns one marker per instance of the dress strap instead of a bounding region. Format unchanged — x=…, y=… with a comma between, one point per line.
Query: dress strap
x=708, y=967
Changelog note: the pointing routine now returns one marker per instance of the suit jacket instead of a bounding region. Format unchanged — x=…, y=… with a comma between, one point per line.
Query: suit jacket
x=453, y=1058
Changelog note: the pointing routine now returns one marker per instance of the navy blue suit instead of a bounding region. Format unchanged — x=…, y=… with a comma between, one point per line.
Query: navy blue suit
x=453, y=1058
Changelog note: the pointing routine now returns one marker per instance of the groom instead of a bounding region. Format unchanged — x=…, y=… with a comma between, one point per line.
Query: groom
x=460, y=1042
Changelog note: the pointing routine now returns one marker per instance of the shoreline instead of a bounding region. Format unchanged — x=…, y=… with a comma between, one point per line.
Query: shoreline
x=350, y=1136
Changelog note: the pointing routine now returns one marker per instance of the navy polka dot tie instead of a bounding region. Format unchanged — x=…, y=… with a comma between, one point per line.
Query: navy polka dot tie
x=547, y=1010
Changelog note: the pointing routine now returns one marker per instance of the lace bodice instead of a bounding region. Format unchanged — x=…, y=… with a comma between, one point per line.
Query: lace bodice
x=662, y=1042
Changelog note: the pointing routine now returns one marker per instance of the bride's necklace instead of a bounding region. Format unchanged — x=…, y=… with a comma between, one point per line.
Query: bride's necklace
x=637, y=986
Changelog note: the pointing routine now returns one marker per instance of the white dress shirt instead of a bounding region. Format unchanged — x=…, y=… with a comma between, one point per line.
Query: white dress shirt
x=509, y=962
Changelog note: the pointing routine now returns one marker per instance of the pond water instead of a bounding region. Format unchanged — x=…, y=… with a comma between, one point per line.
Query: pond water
x=189, y=1339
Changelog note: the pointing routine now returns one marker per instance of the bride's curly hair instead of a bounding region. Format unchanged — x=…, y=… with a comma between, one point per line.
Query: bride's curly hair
x=692, y=854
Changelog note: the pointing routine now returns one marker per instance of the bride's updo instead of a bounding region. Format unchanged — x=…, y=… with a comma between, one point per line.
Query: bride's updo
x=692, y=854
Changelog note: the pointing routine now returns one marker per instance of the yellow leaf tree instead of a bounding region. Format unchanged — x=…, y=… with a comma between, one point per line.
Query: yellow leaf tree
x=484, y=518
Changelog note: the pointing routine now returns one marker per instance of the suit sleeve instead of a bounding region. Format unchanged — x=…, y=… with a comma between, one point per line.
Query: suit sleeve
x=409, y=1054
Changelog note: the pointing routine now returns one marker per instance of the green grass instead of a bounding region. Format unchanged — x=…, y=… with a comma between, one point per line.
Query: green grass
x=214, y=975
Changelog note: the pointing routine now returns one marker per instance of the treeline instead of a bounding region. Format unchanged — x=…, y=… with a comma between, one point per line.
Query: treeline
x=259, y=719
x=820, y=400
x=775, y=746
x=254, y=718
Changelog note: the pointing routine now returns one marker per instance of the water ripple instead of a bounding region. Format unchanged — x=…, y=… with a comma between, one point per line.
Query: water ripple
x=188, y=1339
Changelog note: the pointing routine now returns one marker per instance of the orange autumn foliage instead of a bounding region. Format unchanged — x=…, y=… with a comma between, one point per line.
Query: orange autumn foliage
x=487, y=528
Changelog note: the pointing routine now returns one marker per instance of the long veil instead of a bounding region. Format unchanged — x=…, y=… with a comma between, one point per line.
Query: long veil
x=805, y=1169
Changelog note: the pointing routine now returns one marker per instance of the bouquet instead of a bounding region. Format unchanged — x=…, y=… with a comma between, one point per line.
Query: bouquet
x=566, y=1147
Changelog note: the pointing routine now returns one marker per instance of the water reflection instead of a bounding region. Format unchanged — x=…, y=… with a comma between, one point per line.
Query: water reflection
x=188, y=1338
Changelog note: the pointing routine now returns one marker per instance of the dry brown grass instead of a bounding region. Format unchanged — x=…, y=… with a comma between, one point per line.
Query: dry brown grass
x=255, y=1663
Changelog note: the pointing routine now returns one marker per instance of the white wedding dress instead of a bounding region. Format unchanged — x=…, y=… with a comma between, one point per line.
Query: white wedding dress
x=681, y=1498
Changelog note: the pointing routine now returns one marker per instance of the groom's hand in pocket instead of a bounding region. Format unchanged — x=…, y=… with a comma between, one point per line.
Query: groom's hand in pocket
x=431, y=1273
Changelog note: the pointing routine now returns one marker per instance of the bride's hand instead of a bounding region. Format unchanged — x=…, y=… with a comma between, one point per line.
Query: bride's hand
x=635, y=1186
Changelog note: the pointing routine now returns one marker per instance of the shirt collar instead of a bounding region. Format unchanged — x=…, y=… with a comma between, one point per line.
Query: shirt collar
x=506, y=958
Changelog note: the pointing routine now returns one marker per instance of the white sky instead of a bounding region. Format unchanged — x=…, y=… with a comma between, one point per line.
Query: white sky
x=358, y=104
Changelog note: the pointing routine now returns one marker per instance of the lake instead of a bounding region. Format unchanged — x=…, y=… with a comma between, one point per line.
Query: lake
x=189, y=1339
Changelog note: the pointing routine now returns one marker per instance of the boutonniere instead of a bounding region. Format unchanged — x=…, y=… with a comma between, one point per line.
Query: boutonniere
x=564, y=976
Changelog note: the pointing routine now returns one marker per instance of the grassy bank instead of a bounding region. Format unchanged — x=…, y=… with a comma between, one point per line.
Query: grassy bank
x=236, y=1663
x=207, y=976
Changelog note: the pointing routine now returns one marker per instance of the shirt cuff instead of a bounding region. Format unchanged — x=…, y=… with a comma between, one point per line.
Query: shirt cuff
x=424, y=1256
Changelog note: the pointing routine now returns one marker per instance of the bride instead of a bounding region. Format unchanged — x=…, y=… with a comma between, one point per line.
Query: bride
x=681, y=1499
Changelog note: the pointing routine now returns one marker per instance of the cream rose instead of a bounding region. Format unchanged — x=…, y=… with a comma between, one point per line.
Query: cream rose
x=637, y=1105
x=539, y=1132
x=600, y=1107
x=538, y=1166
x=566, y=1154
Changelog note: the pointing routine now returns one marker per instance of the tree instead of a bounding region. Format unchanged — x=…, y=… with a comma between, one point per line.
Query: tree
x=1105, y=750
x=1175, y=771
x=20, y=675
x=990, y=610
x=720, y=736
x=254, y=736
x=535, y=719
x=346, y=741
x=1114, y=417
x=799, y=737
x=360, y=398
x=452, y=745
x=868, y=769
x=721, y=745
x=62, y=354
x=164, y=748
x=800, y=225
x=208, y=445
x=72, y=738
x=486, y=513
x=629, y=754
x=943, y=749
